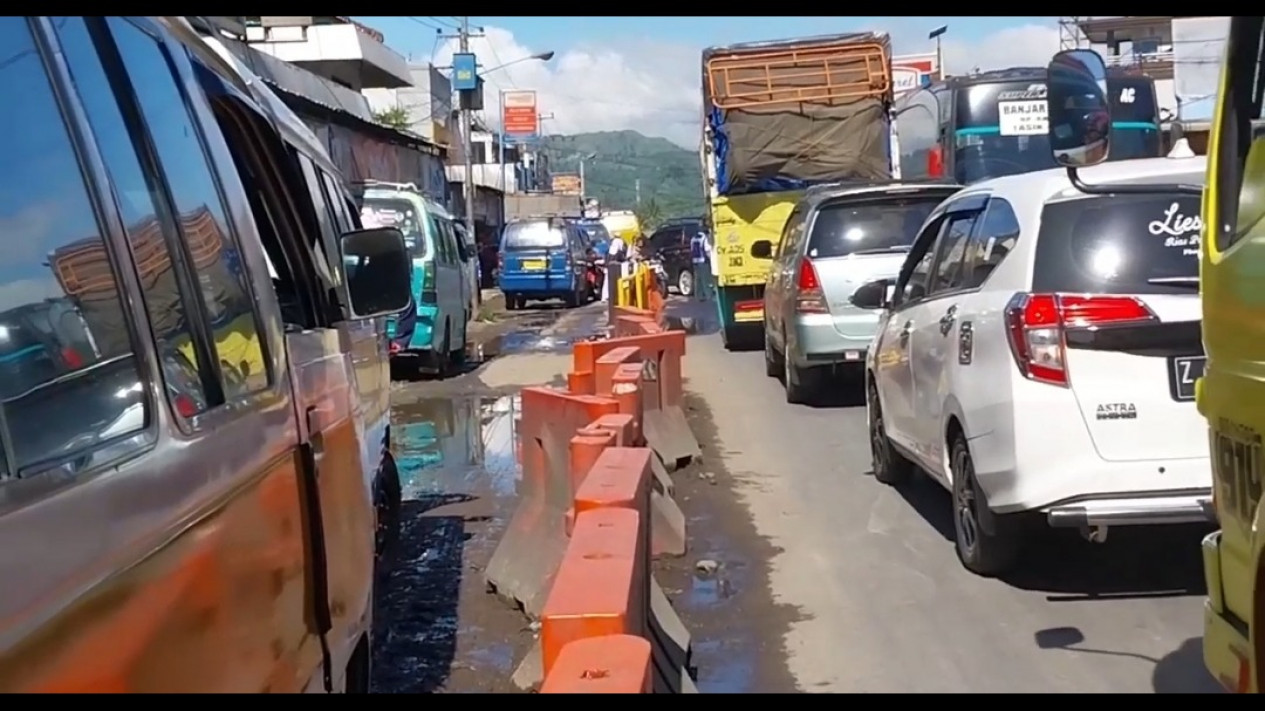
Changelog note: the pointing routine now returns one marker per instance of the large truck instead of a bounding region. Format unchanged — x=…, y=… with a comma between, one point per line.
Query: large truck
x=779, y=117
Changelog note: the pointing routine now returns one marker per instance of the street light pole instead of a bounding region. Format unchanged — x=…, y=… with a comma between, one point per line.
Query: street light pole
x=936, y=34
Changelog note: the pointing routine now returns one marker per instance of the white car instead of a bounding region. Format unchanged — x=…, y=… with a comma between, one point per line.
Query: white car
x=1038, y=356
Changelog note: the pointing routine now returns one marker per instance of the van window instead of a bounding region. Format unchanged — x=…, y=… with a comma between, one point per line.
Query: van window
x=992, y=241
x=202, y=225
x=69, y=379
x=397, y=213
x=336, y=201
x=536, y=234
x=439, y=238
x=950, y=272
x=869, y=227
x=1122, y=244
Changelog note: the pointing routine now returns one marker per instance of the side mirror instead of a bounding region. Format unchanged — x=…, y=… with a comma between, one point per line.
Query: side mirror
x=1078, y=112
x=378, y=272
x=762, y=249
x=873, y=294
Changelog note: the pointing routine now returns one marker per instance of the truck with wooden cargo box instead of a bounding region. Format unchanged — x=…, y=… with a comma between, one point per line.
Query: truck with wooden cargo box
x=779, y=117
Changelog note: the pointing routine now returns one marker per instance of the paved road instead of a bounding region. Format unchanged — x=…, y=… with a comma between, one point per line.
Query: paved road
x=884, y=603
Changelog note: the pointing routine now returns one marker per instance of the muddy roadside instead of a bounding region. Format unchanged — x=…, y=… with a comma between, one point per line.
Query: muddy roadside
x=437, y=629
x=720, y=588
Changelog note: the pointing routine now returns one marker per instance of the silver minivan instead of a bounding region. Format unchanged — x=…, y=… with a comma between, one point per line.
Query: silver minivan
x=837, y=238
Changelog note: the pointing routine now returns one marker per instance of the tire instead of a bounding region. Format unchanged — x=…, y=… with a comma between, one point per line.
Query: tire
x=386, y=499
x=888, y=464
x=685, y=282
x=510, y=303
x=571, y=300
x=986, y=553
x=771, y=365
x=801, y=384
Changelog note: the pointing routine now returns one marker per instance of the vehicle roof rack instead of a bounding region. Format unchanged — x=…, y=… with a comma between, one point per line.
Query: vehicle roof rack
x=373, y=183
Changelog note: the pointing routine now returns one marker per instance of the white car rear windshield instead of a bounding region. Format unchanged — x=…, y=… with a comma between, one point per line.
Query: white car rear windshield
x=1119, y=244
x=871, y=227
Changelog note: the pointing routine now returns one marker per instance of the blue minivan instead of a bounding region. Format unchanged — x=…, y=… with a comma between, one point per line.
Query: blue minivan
x=543, y=258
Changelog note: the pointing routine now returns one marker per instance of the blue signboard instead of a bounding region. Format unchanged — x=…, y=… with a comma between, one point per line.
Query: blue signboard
x=465, y=72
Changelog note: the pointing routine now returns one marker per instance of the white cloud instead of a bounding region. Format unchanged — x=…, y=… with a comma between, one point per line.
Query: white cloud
x=653, y=87
x=1023, y=46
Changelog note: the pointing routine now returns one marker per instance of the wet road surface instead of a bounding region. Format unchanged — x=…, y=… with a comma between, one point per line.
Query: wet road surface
x=848, y=585
x=436, y=627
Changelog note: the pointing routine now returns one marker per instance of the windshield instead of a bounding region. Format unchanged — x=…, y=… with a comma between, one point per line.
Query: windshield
x=533, y=235
x=595, y=234
x=398, y=213
x=1122, y=244
x=1002, y=127
x=872, y=227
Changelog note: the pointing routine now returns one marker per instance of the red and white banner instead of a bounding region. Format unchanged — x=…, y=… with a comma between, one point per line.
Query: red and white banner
x=519, y=118
x=911, y=71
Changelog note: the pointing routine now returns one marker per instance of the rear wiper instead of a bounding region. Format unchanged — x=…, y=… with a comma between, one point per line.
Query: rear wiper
x=883, y=250
x=1189, y=282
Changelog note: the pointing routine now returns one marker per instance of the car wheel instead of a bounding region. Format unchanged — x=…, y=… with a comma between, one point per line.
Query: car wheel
x=889, y=465
x=771, y=365
x=510, y=304
x=981, y=550
x=387, y=497
x=571, y=300
x=801, y=384
x=685, y=282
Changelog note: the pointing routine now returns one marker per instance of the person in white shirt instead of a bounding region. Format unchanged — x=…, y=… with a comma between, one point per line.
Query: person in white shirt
x=618, y=249
x=616, y=254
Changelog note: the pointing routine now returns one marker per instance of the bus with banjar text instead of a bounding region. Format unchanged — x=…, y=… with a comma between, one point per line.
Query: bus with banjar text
x=981, y=126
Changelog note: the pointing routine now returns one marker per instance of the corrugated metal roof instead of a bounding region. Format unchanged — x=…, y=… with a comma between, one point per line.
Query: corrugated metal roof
x=316, y=89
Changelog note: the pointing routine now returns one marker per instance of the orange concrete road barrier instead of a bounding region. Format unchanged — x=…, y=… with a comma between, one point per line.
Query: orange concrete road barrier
x=663, y=417
x=611, y=664
x=602, y=586
x=595, y=506
x=528, y=554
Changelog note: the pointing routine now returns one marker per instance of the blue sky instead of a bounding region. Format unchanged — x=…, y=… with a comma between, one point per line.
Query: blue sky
x=560, y=33
x=643, y=73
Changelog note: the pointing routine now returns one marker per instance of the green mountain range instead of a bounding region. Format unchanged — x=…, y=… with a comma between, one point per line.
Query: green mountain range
x=615, y=161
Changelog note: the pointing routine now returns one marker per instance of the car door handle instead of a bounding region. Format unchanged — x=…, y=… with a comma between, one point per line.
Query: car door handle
x=905, y=331
x=946, y=321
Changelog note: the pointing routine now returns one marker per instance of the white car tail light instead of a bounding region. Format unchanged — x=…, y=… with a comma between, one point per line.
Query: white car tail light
x=1035, y=324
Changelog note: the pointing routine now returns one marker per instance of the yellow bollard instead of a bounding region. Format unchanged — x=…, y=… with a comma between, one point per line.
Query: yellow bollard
x=643, y=286
x=625, y=291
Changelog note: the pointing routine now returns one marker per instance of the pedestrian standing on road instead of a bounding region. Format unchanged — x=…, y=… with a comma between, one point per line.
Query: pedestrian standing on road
x=700, y=257
x=616, y=255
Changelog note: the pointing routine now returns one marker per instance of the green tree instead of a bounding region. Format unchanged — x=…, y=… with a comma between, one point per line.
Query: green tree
x=649, y=214
x=396, y=117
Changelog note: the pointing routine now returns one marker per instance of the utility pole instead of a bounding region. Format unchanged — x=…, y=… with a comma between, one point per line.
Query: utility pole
x=581, y=178
x=637, y=187
x=467, y=137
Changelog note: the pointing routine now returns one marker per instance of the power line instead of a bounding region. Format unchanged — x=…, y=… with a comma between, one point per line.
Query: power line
x=446, y=22
x=424, y=23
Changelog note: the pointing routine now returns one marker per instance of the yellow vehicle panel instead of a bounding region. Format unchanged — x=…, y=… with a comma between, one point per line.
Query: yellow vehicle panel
x=1231, y=395
x=742, y=220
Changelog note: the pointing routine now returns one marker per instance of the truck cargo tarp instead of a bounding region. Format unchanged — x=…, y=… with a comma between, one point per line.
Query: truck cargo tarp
x=791, y=145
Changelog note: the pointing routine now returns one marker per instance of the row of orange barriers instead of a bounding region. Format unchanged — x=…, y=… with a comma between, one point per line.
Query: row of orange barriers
x=595, y=506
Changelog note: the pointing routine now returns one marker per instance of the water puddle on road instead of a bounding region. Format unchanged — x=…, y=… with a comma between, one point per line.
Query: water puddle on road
x=725, y=654
x=458, y=475
x=456, y=446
